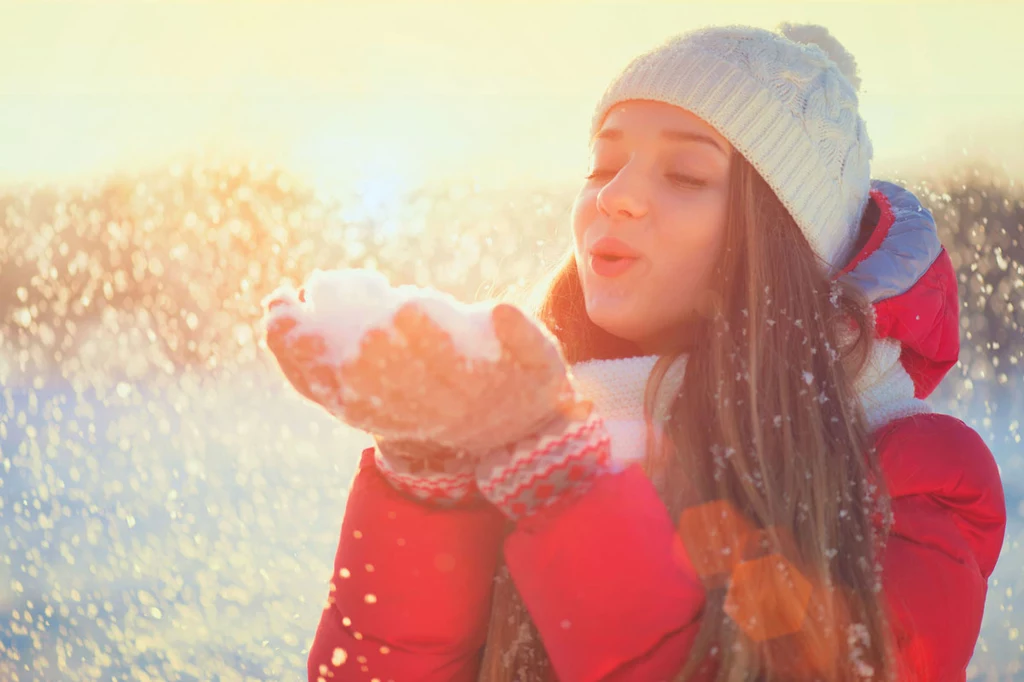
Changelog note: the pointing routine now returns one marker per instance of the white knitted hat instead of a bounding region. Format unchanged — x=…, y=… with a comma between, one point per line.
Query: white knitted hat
x=787, y=101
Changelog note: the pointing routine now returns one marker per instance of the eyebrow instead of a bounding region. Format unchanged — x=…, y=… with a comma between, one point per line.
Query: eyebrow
x=615, y=134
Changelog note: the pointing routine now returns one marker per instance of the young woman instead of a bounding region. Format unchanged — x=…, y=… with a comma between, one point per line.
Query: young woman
x=714, y=463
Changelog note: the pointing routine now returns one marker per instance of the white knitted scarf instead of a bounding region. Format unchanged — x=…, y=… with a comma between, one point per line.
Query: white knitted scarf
x=617, y=387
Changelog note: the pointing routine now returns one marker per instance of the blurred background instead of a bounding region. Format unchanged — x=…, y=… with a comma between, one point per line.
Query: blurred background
x=169, y=507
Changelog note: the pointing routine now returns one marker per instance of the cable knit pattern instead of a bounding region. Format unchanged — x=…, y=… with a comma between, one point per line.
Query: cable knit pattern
x=784, y=103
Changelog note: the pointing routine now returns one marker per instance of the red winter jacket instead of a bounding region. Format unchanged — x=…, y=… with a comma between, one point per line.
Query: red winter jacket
x=601, y=575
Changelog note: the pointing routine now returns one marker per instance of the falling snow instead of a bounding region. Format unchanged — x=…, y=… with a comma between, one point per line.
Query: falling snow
x=170, y=508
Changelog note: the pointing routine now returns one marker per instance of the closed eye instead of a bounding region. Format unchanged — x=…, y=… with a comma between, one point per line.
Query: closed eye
x=686, y=180
x=598, y=173
x=676, y=178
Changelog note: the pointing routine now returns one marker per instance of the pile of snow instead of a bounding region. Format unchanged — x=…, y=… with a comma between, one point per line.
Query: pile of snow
x=342, y=306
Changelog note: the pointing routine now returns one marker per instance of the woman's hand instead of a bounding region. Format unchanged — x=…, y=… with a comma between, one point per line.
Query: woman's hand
x=411, y=382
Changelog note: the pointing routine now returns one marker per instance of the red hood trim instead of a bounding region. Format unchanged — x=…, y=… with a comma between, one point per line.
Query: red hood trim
x=923, y=311
x=878, y=233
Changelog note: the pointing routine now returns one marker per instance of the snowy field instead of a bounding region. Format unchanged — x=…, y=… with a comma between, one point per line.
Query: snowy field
x=185, y=531
x=179, y=533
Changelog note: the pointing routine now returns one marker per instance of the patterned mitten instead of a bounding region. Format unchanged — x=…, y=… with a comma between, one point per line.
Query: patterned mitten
x=428, y=472
x=429, y=377
x=554, y=464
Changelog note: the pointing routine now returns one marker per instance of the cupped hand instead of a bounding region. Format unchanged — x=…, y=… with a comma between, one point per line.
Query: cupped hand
x=412, y=381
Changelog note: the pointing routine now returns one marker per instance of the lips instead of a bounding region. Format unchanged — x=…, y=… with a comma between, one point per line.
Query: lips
x=610, y=247
x=610, y=257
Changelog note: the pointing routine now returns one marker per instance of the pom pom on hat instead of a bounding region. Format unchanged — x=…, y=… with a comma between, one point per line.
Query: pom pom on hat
x=813, y=34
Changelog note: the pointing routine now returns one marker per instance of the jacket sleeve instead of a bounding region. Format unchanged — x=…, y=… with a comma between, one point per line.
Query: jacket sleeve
x=607, y=582
x=410, y=590
x=949, y=519
x=615, y=596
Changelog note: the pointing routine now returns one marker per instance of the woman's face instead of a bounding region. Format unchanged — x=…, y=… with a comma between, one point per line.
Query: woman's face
x=656, y=193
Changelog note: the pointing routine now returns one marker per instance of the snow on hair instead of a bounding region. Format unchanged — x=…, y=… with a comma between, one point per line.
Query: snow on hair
x=813, y=34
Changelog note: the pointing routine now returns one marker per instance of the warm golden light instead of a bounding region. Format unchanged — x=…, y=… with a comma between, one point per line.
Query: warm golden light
x=349, y=93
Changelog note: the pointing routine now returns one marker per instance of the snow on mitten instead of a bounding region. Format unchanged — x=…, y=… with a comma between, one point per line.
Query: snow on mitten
x=415, y=366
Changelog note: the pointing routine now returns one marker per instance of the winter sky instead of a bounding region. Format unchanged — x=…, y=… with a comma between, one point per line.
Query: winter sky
x=382, y=96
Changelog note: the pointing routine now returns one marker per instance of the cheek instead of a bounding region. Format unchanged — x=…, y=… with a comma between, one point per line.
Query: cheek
x=697, y=235
x=583, y=211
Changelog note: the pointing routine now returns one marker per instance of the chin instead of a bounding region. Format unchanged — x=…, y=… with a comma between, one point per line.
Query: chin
x=618, y=320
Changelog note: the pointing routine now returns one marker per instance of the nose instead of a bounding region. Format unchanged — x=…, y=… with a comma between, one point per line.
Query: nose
x=623, y=196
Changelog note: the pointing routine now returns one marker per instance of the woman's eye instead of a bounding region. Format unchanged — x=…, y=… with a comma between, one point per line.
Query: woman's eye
x=676, y=178
x=686, y=180
x=599, y=173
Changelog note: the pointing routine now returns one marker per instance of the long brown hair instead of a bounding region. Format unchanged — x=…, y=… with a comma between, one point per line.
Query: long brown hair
x=766, y=423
